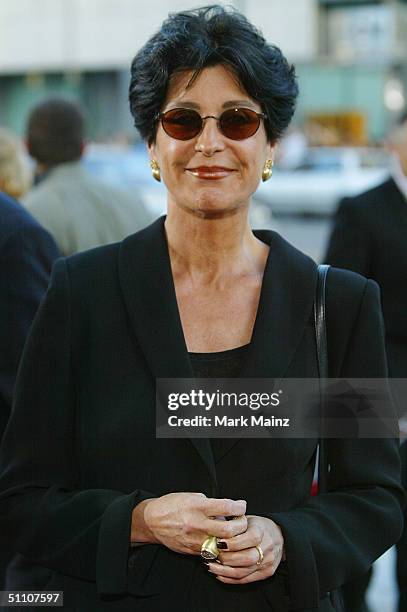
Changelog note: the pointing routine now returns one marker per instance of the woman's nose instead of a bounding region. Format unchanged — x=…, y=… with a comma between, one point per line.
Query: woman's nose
x=210, y=140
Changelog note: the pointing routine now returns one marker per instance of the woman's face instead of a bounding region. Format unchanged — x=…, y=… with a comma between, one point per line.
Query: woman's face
x=210, y=175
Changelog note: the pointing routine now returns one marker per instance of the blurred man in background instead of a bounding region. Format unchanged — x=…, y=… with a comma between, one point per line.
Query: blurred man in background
x=79, y=210
x=369, y=236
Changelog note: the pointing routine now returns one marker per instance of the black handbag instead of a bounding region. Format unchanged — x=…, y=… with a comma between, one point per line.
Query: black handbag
x=323, y=372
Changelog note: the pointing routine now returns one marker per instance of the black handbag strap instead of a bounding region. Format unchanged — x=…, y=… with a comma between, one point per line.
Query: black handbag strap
x=323, y=371
x=322, y=358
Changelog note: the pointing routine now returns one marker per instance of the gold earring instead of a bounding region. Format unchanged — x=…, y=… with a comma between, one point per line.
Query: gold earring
x=267, y=170
x=155, y=170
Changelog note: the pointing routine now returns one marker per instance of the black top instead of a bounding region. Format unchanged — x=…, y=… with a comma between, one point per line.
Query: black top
x=223, y=364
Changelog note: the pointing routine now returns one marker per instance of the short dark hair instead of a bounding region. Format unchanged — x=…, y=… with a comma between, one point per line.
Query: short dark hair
x=55, y=132
x=207, y=36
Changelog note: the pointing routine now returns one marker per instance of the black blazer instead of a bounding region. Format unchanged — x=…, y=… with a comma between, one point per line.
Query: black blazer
x=27, y=252
x=369, y=236
x=81, y=451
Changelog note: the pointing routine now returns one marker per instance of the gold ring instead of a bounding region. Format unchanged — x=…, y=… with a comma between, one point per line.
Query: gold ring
x=261, y=555
x=209, y=548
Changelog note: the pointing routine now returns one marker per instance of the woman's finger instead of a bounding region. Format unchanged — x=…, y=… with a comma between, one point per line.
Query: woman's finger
x=223, y=507
x=236, y=573
x=224, y=530
x=251, y=537
x=253, y=577
x=242, y=558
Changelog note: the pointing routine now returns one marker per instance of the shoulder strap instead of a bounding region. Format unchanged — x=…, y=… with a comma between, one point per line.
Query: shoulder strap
x=322, y=357
x=323, y=371
x=320, y=321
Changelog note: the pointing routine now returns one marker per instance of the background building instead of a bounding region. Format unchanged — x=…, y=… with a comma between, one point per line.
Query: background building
x=350, y=57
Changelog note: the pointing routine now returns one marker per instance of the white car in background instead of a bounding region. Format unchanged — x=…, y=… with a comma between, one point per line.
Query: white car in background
x=325, y=175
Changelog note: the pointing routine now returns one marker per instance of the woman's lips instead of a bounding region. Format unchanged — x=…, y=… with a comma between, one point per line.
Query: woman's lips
x=212, y=173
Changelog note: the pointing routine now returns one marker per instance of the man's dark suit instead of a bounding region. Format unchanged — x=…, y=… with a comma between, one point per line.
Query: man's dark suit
x=81, y=451
x=26, y=255
x=369, y=236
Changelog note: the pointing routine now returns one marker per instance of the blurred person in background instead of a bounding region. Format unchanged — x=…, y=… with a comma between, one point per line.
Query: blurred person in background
x=78, y=209
x=103, y=509
x=15, y=173
x=369, y=236
x=27, y=252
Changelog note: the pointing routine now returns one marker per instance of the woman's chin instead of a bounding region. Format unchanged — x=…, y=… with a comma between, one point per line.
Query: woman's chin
x=212, y=208
x=215, y=213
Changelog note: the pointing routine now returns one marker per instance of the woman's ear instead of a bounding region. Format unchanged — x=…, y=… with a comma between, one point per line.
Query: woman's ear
x=151, y=150
x=271, y=151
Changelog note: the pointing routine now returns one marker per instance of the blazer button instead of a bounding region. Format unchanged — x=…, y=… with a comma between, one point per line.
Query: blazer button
x=131, y=563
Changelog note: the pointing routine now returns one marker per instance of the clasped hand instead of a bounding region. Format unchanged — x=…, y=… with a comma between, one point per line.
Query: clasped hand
x=182, y=521
x=239, y=558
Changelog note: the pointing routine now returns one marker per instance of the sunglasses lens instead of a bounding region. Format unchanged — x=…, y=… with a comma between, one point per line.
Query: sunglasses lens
x=239, y=123
x=182, y=124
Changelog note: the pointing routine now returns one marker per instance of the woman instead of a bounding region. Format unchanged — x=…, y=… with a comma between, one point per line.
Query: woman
x=104, y=511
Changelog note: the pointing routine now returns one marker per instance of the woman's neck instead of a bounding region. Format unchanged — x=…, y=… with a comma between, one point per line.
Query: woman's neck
x=212, y=251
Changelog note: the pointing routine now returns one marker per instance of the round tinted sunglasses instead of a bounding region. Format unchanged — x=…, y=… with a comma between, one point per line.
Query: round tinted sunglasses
x=234, y=123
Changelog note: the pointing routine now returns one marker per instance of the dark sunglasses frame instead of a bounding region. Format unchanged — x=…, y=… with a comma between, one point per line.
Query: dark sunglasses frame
x=161, y=117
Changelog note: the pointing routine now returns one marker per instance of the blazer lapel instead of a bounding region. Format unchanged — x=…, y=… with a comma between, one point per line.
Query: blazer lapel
x=149, y=294
x=285, y=308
